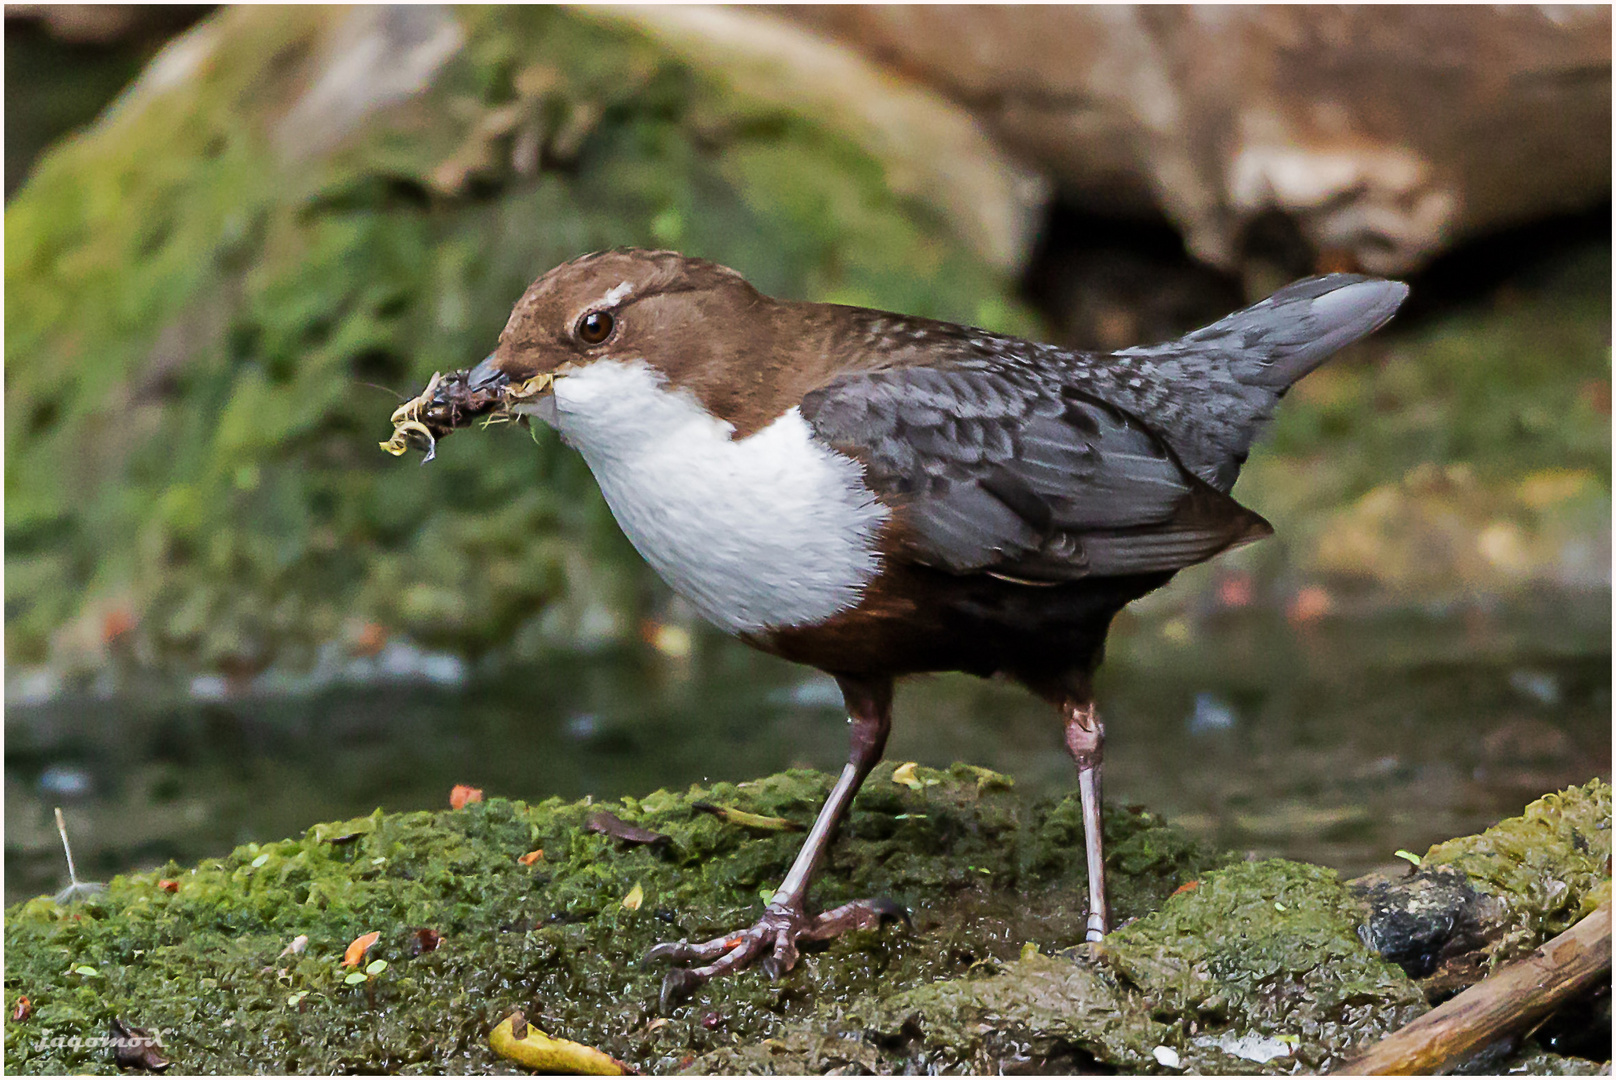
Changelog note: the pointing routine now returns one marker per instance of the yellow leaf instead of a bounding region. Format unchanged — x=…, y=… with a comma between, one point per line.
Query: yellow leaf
x=905, y=774
x=521, y=1042
x=750, y=820
x=635, y=897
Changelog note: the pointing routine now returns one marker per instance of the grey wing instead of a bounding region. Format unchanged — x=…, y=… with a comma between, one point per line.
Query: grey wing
x=1001, y=471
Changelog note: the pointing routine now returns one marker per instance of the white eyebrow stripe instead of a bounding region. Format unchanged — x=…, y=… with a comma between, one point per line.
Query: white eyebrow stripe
x=620, y=290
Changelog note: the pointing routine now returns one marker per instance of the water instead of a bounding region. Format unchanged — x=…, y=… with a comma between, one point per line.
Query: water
x=1338, y=743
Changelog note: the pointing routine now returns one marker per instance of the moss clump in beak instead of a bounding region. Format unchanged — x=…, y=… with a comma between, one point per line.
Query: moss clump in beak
x=408, y=428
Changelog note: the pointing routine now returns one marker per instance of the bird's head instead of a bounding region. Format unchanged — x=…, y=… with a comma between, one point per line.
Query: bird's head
x=690, y=319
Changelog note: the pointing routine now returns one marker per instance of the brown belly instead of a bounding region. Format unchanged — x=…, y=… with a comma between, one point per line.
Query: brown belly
x=915, y=619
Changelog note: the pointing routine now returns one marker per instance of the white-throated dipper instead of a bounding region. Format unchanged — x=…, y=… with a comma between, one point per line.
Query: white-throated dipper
x=878, y=495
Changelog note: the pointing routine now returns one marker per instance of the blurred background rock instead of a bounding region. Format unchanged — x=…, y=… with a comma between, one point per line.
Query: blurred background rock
x=236, y=237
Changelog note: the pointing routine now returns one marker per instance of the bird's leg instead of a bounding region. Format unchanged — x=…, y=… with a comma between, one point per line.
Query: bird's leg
x=1085, y=739
x=773, y=938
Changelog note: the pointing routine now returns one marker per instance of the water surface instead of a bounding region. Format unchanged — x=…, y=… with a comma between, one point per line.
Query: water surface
x=1338, y=743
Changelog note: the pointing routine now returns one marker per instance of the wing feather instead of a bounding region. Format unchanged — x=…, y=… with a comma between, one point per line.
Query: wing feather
x=1006, y=471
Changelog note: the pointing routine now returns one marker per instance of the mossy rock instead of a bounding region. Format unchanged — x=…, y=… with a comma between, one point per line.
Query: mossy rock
x=981, y=872
x=1226, y=966
x=202, y=285
x=1546, y=869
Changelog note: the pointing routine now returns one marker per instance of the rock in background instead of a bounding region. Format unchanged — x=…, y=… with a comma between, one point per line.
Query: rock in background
x=1375, y=137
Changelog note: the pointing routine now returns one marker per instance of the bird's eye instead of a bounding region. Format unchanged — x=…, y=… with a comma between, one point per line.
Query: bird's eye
x=595, y=327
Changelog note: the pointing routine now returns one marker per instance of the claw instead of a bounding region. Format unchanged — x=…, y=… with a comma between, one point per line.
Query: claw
x=782, y=960
x=667, y=950
x=745, y=950
x=682, y=952
x=771, y=943
x=677, y=986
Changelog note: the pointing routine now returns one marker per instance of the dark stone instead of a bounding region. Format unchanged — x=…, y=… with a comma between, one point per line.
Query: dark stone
x=1419, y=921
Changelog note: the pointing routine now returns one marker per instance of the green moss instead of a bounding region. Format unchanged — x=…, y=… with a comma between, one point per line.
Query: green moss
x=1259, y=967
x=1256, y=968
x=1037, y=1008
x=1266, y=949
x=1255, y=961
x=195, y=311
x=203, y=964
x=1549, y=867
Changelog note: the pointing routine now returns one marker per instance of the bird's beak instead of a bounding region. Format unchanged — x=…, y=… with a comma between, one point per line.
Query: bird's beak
x=525, y=397
x=484, y=375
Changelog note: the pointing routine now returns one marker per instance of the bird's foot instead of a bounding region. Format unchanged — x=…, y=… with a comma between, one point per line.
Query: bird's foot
x=771, y=941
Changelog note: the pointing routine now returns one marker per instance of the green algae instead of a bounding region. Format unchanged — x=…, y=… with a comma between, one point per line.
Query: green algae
x=203, y=964
x=1264, y=949
x=1034, y=1009
x=1259, y=967
x=1256, y=968
x=1547, y=868
x=1253, y=967
x=197, y=300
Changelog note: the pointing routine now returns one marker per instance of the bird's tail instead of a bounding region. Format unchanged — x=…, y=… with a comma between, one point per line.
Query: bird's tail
x=1227, y=377
x=1276, y=341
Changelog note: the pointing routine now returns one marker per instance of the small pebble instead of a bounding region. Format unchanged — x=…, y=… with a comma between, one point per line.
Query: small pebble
x=1211, y=713
x=64, y=782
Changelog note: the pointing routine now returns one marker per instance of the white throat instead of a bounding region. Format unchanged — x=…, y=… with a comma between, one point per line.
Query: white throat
x=770, y=531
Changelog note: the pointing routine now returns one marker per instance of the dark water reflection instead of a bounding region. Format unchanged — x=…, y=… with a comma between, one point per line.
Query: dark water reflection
x=1337, y=744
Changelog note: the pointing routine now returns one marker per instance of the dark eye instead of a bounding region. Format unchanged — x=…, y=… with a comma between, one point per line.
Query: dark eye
x=595, y=327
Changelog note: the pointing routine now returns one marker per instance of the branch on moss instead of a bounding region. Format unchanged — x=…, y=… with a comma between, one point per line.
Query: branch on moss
x=1516, y=997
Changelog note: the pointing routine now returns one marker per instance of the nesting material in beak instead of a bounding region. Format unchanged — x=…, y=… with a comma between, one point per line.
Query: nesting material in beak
x=455, y=400
x=408, y=430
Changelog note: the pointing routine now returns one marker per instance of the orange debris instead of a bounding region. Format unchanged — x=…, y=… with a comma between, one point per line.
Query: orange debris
x=358, y=947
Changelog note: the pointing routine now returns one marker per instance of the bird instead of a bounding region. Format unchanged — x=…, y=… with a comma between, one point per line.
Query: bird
x=879, y=495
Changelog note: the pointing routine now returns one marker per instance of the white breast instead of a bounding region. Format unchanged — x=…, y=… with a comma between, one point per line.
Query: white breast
x=773, y=530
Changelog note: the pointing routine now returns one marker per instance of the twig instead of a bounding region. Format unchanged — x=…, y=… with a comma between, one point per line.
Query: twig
x=76, y=888
x=1516, y=996
x=67, y=849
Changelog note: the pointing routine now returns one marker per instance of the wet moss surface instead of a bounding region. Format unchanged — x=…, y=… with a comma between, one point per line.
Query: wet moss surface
x=1262, y=963
x=202, y=964
x=1254, y=966
x=1545, y=870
